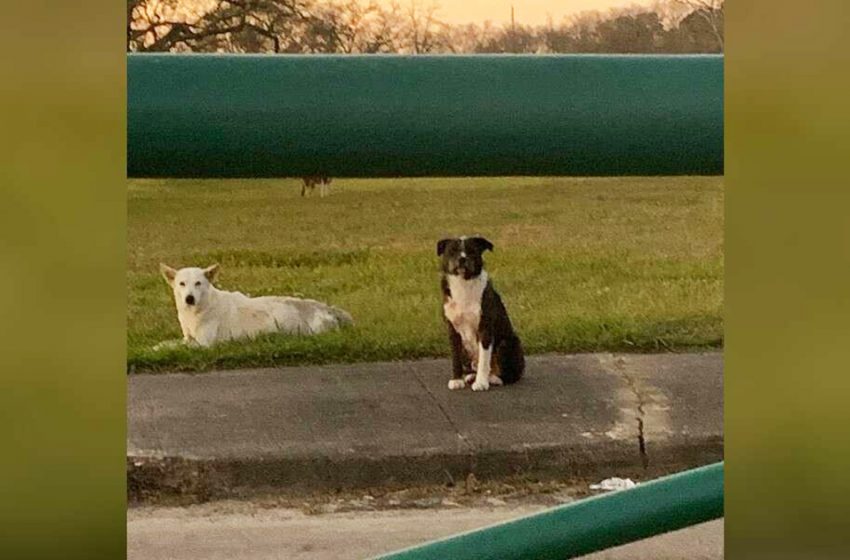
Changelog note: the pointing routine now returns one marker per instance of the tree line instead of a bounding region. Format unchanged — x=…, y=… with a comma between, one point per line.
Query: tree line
x=412, y=27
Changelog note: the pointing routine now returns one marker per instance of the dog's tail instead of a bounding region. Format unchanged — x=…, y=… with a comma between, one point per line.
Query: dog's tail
x=511, y=360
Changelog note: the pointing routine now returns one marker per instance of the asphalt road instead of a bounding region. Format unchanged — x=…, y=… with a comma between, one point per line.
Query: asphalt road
x=226, y=530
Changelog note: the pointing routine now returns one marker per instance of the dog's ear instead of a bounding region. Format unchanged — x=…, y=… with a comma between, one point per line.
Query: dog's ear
x=167, y=272
x=211, y=272
x=441, y=246
x=481, y=243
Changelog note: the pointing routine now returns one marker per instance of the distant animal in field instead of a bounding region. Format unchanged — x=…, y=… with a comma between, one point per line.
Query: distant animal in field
x=482, y=337
x=309, y=183
x=208, y=315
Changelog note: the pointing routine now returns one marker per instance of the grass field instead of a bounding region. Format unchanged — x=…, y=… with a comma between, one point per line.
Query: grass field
x=628, y=264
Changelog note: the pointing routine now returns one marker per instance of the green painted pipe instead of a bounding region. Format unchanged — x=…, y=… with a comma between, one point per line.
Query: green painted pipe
x=589, y=525
x=358, y=116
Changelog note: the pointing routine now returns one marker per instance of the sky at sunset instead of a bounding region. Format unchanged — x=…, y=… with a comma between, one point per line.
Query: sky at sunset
x=526, y=11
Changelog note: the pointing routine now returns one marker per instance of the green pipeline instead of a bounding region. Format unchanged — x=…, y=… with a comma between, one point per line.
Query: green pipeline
x=589, y=525
x=205, y=115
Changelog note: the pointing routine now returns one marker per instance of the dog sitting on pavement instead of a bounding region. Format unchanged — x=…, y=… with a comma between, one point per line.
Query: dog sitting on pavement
x=208, y=315
x=480, y=332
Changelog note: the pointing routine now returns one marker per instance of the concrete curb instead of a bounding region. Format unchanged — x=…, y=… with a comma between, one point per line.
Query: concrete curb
x=586, y=416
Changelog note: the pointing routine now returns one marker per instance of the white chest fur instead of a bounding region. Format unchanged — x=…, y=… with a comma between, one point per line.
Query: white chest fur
x=463, y=308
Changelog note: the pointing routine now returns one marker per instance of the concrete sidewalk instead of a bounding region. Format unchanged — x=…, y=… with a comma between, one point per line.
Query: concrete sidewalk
x=238, y=433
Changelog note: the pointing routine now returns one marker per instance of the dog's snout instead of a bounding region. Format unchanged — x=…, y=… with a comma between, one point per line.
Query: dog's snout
x=190, y=299
x=461, y=261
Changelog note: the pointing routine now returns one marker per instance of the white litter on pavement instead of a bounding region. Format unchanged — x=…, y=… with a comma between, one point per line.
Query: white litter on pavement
x=615, y=483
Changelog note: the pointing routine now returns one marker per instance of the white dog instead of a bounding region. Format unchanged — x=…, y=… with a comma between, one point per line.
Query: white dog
x=208, y=315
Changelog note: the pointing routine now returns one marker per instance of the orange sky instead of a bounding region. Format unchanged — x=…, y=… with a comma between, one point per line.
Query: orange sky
x=526, y=11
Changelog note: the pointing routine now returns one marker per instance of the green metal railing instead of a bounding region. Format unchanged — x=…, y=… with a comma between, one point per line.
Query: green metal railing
x=377, y=116
x=589, y=525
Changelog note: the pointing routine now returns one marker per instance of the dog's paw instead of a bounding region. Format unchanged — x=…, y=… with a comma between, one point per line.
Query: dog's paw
x=455, y=384
x=496, y=381
x=481, y=385
x=470, y=379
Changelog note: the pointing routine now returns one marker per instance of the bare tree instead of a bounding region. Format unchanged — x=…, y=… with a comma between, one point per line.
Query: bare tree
x=410, y=26
x=670, y=12
x=356, y=26
x=468, y=38
x=423, y=27
x=210, y=25
x=710, y=11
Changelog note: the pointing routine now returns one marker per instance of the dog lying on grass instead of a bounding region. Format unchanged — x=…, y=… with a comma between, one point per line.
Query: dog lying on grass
x=208, y=315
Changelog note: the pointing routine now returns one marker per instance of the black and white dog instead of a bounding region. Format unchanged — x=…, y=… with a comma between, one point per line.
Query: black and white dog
x=480, y=331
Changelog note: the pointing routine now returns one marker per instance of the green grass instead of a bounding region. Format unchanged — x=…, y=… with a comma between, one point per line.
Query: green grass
x=627, y=264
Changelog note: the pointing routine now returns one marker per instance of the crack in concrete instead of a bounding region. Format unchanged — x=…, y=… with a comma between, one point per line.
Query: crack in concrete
x=470, y=446
x=640, y=417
